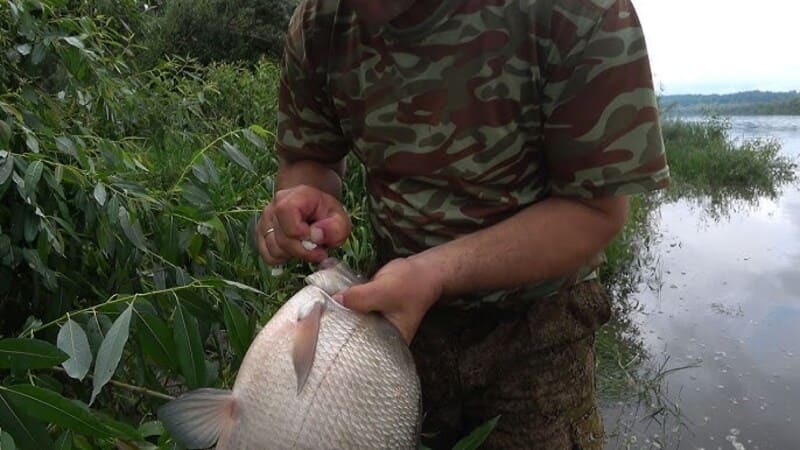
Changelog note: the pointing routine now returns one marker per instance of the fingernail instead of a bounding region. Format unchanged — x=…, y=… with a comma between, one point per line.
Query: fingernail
x=317, y=235
x=339, y=298
x=308, y=245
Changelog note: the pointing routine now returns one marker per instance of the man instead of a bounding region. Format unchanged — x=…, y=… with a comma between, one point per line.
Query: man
x=501, y=139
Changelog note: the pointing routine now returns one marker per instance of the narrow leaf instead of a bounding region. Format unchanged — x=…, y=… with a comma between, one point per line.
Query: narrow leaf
x=255, y=139
x=242, y=286
x=195, y=195
x=190, y=348
x=5, y=133
x=110, y=352
x=64, y=441
x=156, y=339
x=476, y=438
x=6, y=169
x=237, y=156
x=74, y=41
x=100, y=194
x=131, y=229
x=28, y=433
x=25, y=354
x=211, y=170
x=6, y=441
x=56, y=409
x=201, y=173
x=32, y=177
x=66, y=145
x=239, y=332
x=260, y=131
x=73, y=341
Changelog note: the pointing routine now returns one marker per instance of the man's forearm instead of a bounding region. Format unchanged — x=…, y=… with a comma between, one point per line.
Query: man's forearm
x=549, y=239
x=325, y=177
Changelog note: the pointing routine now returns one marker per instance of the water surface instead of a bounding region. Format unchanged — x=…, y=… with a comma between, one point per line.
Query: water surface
x=724, y=298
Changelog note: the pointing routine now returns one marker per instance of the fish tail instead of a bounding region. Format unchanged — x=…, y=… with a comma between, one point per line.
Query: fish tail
x=198, y=419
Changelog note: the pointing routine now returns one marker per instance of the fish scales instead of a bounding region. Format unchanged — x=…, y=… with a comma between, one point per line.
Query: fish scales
x=362, y=390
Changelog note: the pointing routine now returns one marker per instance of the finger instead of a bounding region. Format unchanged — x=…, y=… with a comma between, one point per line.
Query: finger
x=333, y=230
x=359, y=298
x=273, y=253
x=293, y=247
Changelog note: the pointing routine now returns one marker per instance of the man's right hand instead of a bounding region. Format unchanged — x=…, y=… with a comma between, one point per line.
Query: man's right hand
x=297, y=214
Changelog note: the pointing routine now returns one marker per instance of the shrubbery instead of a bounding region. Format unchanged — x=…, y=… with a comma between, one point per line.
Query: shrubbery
x=127, y=199
x=222, y=30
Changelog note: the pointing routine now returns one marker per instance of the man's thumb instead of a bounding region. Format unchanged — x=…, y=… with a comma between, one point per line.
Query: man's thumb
x=356, y=298
x=330, y=232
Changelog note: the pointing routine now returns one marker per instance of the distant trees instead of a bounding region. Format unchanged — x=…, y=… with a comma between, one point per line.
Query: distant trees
x=742, y=103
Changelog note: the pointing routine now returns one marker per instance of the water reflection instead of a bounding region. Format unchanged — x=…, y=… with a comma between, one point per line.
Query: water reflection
x=721, y=302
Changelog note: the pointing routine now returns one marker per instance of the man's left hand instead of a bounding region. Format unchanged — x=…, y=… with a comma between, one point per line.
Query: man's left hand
x=403, y=291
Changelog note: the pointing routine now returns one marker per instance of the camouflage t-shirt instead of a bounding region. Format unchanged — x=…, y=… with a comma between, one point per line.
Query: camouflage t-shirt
x=484, y=108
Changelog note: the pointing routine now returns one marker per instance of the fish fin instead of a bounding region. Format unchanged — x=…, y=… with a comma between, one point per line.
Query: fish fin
x=197, y=418
x=305, y=341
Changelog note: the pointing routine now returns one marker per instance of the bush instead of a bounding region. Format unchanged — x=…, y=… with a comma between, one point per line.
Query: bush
x=126, y=198
x=223, y=30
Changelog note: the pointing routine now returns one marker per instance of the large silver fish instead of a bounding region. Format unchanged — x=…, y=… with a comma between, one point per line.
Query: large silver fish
x=317, y=376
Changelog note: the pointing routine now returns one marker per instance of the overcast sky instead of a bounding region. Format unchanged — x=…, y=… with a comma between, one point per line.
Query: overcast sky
x=722, y=46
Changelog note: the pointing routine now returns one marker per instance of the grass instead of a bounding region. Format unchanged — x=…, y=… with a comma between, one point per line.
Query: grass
x=709, y=168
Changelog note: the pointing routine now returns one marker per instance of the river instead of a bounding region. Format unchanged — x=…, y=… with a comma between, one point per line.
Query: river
x=723, y=299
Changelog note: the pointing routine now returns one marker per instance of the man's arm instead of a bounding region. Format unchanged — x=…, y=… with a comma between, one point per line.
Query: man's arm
x=546, y=240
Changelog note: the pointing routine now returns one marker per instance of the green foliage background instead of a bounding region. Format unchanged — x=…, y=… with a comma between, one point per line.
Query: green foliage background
x=135, y=157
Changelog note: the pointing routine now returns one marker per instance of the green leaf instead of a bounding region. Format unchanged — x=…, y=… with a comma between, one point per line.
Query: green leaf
x=5, y=133
x=255, y=139
x=110, y=352
x=32, y=177
x=64, y=441
x=96, y=327
x=191, y=362
x=156, y=339
x=152, y=428
x=237, y=156
x=201, y=173
x=29, y=434
x=31, y=142
x=131, y=229
x=260, y=131
x=7, y=442
x=211, y=170
x=66, y=145
x=6, y=169
x=195, y=195
x=39, y=53
x=100, y=194
x=242, y=286
x=73, y=341
x=74, y=41
x=56, y=409
x=25, y=354
x=476, y=438
x=239, y=331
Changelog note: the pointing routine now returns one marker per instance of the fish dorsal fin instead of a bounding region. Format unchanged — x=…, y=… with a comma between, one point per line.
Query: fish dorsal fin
x=334, y=276
x=309, y=317
x=197, y=419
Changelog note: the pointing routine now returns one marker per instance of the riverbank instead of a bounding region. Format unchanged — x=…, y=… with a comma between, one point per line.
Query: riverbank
x=708, y=325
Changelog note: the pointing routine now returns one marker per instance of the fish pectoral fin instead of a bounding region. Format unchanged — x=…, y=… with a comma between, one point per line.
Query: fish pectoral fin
x=197, y=418
x=305, y=341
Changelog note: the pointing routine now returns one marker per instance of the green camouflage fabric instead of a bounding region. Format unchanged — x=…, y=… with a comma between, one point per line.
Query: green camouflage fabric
x=485, y=108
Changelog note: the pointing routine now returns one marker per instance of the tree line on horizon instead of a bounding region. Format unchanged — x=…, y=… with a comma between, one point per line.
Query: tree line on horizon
x=740, y=103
